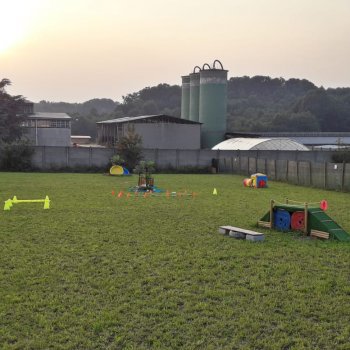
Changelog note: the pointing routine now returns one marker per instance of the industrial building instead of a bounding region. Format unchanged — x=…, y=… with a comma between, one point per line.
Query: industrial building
x=46, y=129
x=248, y=144
x=156, y=131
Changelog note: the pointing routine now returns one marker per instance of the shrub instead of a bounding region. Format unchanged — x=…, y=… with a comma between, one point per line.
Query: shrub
x=16, y=156
x=341, y=156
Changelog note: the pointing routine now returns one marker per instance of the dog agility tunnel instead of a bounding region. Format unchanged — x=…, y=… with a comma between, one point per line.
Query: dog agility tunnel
x=292, y=217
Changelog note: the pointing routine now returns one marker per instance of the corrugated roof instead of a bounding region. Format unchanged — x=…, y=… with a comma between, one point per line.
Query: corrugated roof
x=47, y=115
x=245, y=144
x=159, y=117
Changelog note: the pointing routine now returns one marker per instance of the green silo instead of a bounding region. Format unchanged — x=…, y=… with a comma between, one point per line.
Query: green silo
x=213, y=105
x=185, y=97
x=194, y=95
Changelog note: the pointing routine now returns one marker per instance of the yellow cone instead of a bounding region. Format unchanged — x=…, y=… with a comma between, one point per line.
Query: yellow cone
x=215, y=191
x=8, y=204
x=47, y=203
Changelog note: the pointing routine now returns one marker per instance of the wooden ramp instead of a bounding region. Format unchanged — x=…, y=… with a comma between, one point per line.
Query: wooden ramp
x=320, y=221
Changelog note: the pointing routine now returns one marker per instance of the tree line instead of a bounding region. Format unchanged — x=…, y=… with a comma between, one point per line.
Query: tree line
x=258, y=103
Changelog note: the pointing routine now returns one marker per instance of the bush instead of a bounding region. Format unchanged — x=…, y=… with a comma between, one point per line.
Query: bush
x=341, y=156
x=16, y=156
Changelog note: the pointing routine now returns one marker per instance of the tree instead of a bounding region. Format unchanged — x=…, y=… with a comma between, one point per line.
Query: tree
x=11, y=115
x=130, y=148
x=15, y=153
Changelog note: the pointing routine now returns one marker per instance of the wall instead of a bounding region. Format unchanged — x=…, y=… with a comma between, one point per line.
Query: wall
x=307, y=168
x=169, y=135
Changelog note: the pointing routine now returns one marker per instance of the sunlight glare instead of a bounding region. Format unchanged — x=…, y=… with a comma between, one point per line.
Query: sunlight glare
x=17, y=17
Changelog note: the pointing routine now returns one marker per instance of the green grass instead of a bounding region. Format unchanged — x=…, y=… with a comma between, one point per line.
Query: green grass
x=97, y=272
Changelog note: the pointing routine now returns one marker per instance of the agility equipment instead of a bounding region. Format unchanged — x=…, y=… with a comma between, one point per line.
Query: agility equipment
x=10, y=202
x=240, y=233
x=257, y=180
x=215, y=192
x=310, y=218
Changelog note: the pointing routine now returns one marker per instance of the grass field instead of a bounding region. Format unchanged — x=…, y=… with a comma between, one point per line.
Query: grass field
x=98, y=272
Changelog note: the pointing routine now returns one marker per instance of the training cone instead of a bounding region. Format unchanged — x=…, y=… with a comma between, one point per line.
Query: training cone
x=8, y=204
x=47, y=203
x=113, y=193
x=215, y=192
x=120, y=194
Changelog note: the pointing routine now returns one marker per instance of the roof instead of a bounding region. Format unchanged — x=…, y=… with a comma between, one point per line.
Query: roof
x=150, y=119
x=80, y=136
x=47, y=115
x=245, y=144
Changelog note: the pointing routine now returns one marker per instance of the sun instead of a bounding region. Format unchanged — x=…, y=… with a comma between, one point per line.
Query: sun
x=17, y=17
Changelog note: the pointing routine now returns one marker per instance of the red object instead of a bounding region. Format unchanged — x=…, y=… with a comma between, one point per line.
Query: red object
x=323, y=205
x=113, y=193
x=120, y=194
x=262, y=184
x=297, y=221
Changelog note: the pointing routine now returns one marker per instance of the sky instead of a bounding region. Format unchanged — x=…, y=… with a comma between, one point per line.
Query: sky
x=76, y=50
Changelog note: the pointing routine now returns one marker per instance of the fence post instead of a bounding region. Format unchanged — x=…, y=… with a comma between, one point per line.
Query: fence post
x=239, y=162
x=325, y=175
x=275, y=165
x=287, y=171
x=177, y=159
x=231, y=165
x=266, y=170
x=90, y=157
x=156, y=155
x=298, y=172
x=343, y=176
x=67, y=157
x=43, y=157
x=310, y=172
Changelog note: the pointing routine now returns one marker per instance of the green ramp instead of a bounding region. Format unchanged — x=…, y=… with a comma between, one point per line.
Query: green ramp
x=319, y=220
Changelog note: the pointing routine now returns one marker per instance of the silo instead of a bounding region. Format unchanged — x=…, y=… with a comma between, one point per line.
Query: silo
x=194, y=95
x=185, y=97
x=213, y=105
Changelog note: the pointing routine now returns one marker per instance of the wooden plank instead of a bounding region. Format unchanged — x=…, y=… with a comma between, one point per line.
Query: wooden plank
x=319, y=234
x=240, y=230
x=266, y=224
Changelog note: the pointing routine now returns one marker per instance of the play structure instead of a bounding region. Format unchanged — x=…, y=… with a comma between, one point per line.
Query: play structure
x=10, y=202
x=118, y=170
x=309, y=218
x=257, y=180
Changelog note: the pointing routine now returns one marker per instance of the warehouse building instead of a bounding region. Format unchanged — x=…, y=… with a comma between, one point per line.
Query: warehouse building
x=46, y=129
x=157, y=131
x=248, y=144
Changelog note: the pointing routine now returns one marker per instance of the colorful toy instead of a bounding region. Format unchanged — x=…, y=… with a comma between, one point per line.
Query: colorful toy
x=257, y=180
x=118, y=170
x=307, y=217
x=10, y=202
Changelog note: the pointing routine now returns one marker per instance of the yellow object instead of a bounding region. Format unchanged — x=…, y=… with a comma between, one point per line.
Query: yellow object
x=215, y=192
x=9, y=203
x=116, y=170
x=46, y=203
